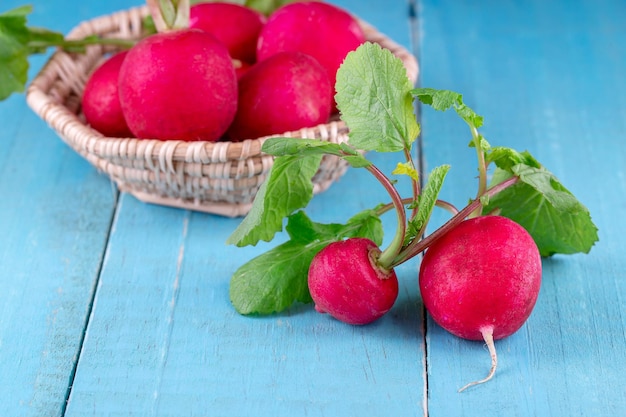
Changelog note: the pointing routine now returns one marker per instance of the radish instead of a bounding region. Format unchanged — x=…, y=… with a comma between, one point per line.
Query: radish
x=286, y=92
x=322, y=30
x=100, y=101
x=481, y=274
x=346, y=282
x=480, y=281
x=179, y=83
x=234, y=25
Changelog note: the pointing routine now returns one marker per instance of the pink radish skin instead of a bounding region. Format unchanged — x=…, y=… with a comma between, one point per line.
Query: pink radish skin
x=234, y=25
x=345, y=282
x=322, y=30
x=481, y=280
x=100, y=101
x=178, y=85
x=286, y=92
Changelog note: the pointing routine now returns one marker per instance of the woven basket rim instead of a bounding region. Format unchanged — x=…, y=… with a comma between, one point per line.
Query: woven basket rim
x=118, y=157
x=98, y=143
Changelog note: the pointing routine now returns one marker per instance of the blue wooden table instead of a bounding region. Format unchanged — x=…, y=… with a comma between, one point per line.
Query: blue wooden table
x=113, y=307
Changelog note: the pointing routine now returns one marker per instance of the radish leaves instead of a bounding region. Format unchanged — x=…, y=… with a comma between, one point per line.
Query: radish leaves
x=18, y=41
x=287, y=188
x=276, y=279
x=375, y=99
x=555, y=219
x=558, y=222
x=426, y=203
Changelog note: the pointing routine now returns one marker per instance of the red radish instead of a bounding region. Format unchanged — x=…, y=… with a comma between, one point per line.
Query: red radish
x=480, y=281
x=286, y=92
x=319, y=29
x=101, y=102
x=345, y=282
x=234, y=25
x=179, y=84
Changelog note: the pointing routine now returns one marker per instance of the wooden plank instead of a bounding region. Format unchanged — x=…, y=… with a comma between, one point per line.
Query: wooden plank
x=163, y=338
x=55, y=216
x=548, y=77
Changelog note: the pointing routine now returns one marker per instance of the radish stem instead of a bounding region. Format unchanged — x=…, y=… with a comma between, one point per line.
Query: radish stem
x=79, y=44
x=387, y=256
x=447, y=206
x=169, y=14
x=487, y=333
x=414, y=182
x=482, y=168
x=418, y=246
x=439, y=203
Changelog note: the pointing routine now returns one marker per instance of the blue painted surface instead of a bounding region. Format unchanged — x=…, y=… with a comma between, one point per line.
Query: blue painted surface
x=547, y=78
x=122, y=308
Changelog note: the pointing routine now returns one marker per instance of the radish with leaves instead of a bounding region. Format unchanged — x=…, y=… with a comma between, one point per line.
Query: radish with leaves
x=376, y=101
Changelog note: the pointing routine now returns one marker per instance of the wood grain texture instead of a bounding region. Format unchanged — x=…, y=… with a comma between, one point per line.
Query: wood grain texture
x=164, y=340
x=55, y=216
x=53, y=236
x=547, y=77
x=161, y=338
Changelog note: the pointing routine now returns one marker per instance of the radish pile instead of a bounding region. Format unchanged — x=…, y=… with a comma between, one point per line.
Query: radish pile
x=224, y=71
x=198, y=79
x=480, y=274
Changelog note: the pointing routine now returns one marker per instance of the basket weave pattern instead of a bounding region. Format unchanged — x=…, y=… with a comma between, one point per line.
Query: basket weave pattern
x=215, y=177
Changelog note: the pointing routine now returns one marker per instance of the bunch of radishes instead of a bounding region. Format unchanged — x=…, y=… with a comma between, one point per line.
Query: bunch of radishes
x=481, y=271
x=220, y=70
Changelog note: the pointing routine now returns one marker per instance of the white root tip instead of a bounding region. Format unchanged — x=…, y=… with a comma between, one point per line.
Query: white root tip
x=488, y=337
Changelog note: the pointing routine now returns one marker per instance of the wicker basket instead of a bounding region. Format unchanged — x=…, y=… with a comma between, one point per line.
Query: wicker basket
x=215, y=177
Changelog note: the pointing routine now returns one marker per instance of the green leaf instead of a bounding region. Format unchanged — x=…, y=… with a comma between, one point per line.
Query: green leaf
x=14, y=37
x=556, y=220
x=302, y=229
x=467, y=114
x=426, y=202
x=443, y=100
x=507, y=158
x=547, y=184
x=440, y=100
x=287, y=188
x=373, y=96
x=276, y=279
x=280, y=146
x=365, y=224
x=482, y=142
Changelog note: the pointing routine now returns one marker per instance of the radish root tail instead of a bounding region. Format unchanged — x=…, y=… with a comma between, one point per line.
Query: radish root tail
x=488, y=337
